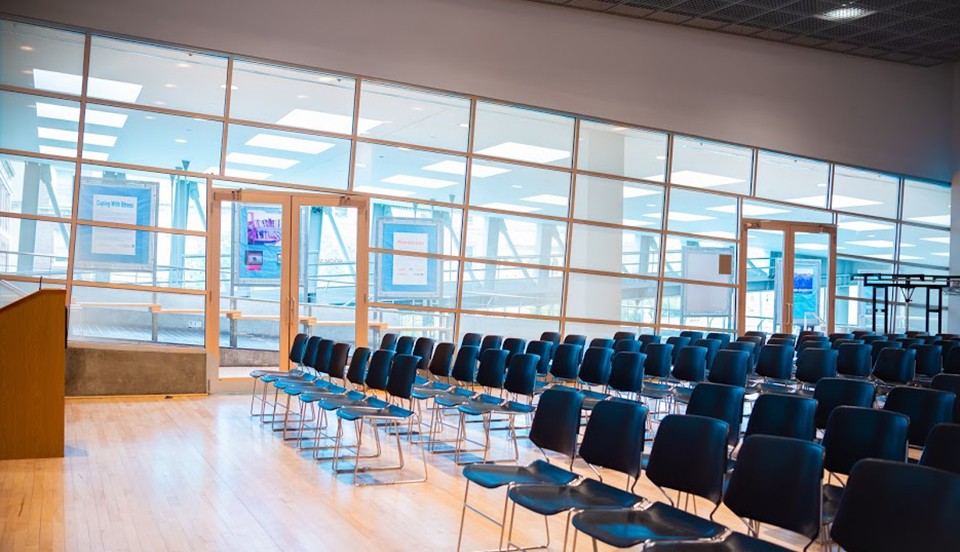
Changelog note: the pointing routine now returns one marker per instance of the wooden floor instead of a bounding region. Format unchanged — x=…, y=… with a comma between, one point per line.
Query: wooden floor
x=197, y=473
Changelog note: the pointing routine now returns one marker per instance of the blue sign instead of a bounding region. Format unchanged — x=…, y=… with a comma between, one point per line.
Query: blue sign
x=405, y=275
x=258, y=235
x=130, y=203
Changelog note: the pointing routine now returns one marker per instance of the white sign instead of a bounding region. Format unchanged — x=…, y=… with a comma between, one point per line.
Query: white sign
x=114, y=241
x=410, y=271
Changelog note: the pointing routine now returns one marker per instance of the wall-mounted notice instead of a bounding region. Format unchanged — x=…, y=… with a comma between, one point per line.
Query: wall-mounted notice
x=118, y=202
x=258, y=235
x=707, y=264
x=403, y=275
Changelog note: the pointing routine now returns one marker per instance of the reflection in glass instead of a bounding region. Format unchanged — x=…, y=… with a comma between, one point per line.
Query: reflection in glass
x=924, y=245
x=39, y=57
x=849, y=271
x=518, y=188
x=408, y=173
x=177, y=201
x=926, y=202
x=515, y=239
x=34, y=247
x=523, y=134
x=792, y=179
x=681, y=261
x=779, y=211
x=262, y=154
x=610, y=298
x=864, y=192
x=139, y=257
x=615, y=250
x=700, y=306
x=448, y=219
x=704, y=164
x=415, y=116
x=132, y=316
x=36, y=186
x=511, y=289
x=618, y=202
x=436, y=325
x=47, y=125
x=701, y=213
x=621, y=151
x=866, y=237
x=437, y=286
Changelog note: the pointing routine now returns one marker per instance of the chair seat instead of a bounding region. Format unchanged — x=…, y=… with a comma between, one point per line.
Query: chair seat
x=591, y=398
x=297, y=388
x=735, y=542
x=333, y=391
x=683, y=394
x=353, y=398
x=831, y=500
x=261, y=373
x=478, y=408
x=454, y=398
x=420, y=381
x=549, y=500
x=435, y=389
x=774, y=387
x=656, y=391
x=352, y=413
x=491, y=476
x=659, y=522
x=432, y=385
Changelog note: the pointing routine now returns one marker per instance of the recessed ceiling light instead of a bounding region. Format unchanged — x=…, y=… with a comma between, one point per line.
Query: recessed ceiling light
x=180, y=140
x=910, y=258
x=149, y=117
x=650, y=204
x=26, y=48
x=864, y=226
x=27, y=71
x=71, y=136
x=938, y=239
x=942, y=220
x=285, y=143
x=845, y=13
x=525, y=152
x=260, y=160
x=416, y=108
x=635, y=222
x=96, y=155
x=509, y=207
x=160, y=102
x=716, y=234
x=821, y=185
x=240, y=173
x=549, y=199
x=697, y=179
x=418, y=181
x=71, y=152
x=882, y=256
x=749, y=210
x=72, y=114
x=183, y=65
x=302, y=97
x=169, y=85
x=618, y=129
x=326, y=78
x=630, y=192
x=383, y=191
x=940, y=254
x=661, y=157
x=319, y=120
x=232, y=87
x=463, y=125
x=516, y=186
x=460, y=168
x=69, y=83
x=680, y=216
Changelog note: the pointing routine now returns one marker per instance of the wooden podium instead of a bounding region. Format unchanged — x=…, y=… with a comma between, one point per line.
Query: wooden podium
x=32, y=363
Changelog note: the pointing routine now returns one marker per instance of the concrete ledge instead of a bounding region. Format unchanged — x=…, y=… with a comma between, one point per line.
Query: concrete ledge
x=134, y=371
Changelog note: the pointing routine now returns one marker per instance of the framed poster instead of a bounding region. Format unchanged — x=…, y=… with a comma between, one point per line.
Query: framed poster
x=707, y=264
x=399, y=275
x=806, y=290
x=118, y=201
x=257, y=243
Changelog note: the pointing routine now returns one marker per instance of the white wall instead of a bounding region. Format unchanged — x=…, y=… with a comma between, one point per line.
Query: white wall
x=953, y=322
x=830, y=106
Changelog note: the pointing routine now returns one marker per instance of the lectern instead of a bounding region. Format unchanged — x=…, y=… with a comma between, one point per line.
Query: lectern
x=32, y=362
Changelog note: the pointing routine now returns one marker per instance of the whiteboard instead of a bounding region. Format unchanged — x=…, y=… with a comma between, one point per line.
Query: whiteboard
x=707, y=264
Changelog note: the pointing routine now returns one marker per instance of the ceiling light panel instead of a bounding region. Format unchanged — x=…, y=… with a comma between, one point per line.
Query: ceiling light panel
x=68, y=83
x=549, y=199
x=260, y=160
x=384, y=191
x=419, y=181
x=286, y=143
x=329, y=122
x=509, y=207
x=459, y=168
x=71, y=136
x=525, y=152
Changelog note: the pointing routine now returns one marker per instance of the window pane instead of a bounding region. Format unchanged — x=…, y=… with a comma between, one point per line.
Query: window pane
x=41, y=58
x=448, y=219
x=13, y=290
x=866, y=237
x=123, y=315
x=792, y=179
x=779, y=211
x=262, y=154
x=618, y=202
x=615, y=250
x=524, y=328
x=592, y=329
x=405, y=172
x=36, y=186
x=523, y=134
x=926, y=202
x=704, y=164
x=515, y=239
x=683, y=260
x=153, y=139
x=294, y=98
x=415, y=116
x=164, y=200
x=924, y=245
x=848, y=271
x=511, y=289
x=864, y=192
x=621, y=151
x=697, y=305
x=141, y=257
x=609, y=298
x=518, y=188
x=699, y=213
x=137, y=73
x=855, y=315
x=438, y=325
x=37, y=124
x=34, y=247
x=414, y=281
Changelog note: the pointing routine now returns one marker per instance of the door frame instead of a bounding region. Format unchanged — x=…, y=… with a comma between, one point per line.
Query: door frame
x=289, y=271
x=790, y=229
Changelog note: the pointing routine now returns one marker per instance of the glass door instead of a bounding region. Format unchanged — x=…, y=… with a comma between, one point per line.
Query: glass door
x=285, y=264
x=787, y=276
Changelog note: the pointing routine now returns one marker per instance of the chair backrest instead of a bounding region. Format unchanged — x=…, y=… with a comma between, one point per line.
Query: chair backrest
x=723, y=337
x=854, y=360
x=689, y=455
x=878, y=346
x=619, y=336
x=730, y=367
x=839, y=335
x=575, y=339
x=423, y=348
x=916, y=333
x=566, y=362
x=691, y=364
x=951, y=383
x=471, y=340
x=775, y=361
x=321, y=361
x=601, y=342
x=552, y=337
x=929, y=361
x=626, y=373
x=833, y=392
x=783, y=415
x=402, y=375
x=943, y=448
x=389, y=341
x=814, y=364
x=870, y=339
x=357, y=371
x=777, y=481
x=405, y=345
x=678, y=342
x=493, y=368
x=522, y=374
x=543, y=349
x=692, y=334
x=910, y=341
x=747, y=346
x=809, y=333
x=514, y=346
x=614, y=436
x=858, y=334
x=925, y=408
x=780, y=341
x=338, y=360
x=892, y=506
x=595, y=368
x=787, y=336
x=490, y=342
x=310, y=351
x=627, y=346
x=854, y=433
x=556, y=422
x=298, y=347
x=379, y=369
x=894, y=336
x=719, y=401
x=712, y=346
x=442, y=360
x=761, y=335
x=647, y=339
x=951, y=362
x=836, y=344
x=465, y=365
x=658, y=360
x=895, y=365
x=932, y=339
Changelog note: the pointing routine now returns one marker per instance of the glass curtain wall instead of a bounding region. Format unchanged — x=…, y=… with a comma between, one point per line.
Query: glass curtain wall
x=541, y=220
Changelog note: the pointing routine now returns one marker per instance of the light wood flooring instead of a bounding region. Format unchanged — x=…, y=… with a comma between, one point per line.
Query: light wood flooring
x=198, y=473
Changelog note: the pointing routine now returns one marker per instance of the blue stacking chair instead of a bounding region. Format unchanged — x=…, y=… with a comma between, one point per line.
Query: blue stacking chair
x=692, y=334
x=490, y=342
x=602, y=342
x=929, y=361
x=471, y=340
x=576, y=339
x=712, y=346
x=678, y=342
x=783, y=415
x=831, y=393
x=854, y=360
x=647, y=339
x=544, y=352
x=656, y=370
x=423, y=348
x=722, y=402
x=389, y=341
x=405, y=345
x=724, y=338
x=514, y=346
x=566, y=362
x=925, y=408
x=627, y=346
x=895, y=366
x=950, y=383
x=730, y=367
x=814, y=364
x=942, y=450
x=620, y=336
